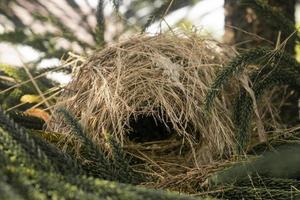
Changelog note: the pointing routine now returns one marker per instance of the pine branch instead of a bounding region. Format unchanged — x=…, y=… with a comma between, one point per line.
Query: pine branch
x=270, y=183
x=27, y=143
x=156, y=14
x=31, y=183
x=26, y=120
x=256, y=193
x=117, y=4
x=235, y=67
x=7, y=192
x=40, y=151
x=278, y=69
x=99, y=165
x=125, y=172
x=271, y=166
x=12, y=150
x=38, y=185
x=268, y=78
x=100, y=29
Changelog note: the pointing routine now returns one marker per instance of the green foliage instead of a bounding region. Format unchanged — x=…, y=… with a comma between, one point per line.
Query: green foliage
x=20, y=85
x=44, y=153
x=283, y=71
x=158, y=13
x=277, y=68
x=121, y=161
x=32, y=168
x=26, y=173
x=99, y=164
x=273, y=175
x=27, y=121
x=117, y=4
x=244, y=107
x=269, y=165
x=271, y=183
x=274, y=143
x=24, y=140
x=234, y=68
x=7, y=192
x=257, y=193
x=256, y=179
x=11, y=99
x=16, y=73
x=100, y=29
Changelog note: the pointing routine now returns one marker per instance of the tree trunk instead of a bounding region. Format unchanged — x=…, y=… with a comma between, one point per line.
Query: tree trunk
x=246, y=29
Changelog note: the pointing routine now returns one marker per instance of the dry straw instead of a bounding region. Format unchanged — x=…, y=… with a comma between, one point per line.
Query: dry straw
x=165, y=77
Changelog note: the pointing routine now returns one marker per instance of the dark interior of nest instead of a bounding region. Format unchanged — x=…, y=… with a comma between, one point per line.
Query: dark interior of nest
x=151, y=139
x=149, y=129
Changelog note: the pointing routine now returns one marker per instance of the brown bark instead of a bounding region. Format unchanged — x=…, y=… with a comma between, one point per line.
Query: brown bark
x=246, y=29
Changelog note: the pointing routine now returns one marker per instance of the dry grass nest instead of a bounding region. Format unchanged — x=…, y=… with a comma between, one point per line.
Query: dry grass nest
x=148, y=92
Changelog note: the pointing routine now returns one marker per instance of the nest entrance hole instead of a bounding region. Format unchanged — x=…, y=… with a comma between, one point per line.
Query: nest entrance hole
x=149, y=129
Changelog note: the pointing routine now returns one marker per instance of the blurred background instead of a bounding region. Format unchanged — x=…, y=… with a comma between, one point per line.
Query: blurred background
x=36, y=35
x=42, y=31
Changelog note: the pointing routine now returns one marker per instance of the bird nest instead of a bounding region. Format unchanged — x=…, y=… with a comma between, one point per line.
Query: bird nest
x=148, y=93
